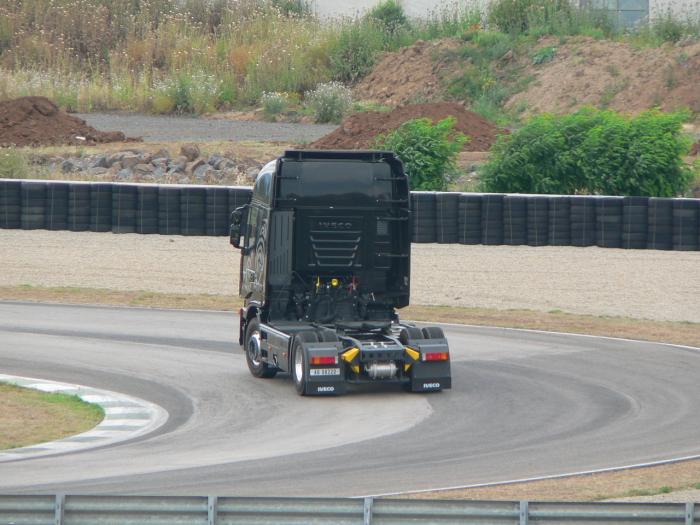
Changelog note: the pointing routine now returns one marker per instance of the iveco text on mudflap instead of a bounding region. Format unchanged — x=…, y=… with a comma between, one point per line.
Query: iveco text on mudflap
x=325, y=262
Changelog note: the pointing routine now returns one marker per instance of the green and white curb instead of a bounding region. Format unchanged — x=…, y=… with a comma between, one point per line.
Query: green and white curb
x=126, y=417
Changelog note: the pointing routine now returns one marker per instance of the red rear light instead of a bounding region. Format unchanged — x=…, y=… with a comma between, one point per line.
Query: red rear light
x=436, y=356
x=331, y=360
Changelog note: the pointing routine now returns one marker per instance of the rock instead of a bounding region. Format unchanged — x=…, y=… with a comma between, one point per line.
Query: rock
x=129, y=160
x=71, y=166
x=213, y=160
x=124, y=174
x=202, y=171
x=143, y=169
x=192, y=166
x=159, y=172
x=100, y=161
x=97, y=170
x=225, y=164
x=160, y=162
x=189, y=151
x=145, y=157
x=178, y=164
x=162, y=153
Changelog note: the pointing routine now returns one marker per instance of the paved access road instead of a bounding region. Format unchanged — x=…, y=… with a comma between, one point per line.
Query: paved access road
x=523, y=404
x=197, y=129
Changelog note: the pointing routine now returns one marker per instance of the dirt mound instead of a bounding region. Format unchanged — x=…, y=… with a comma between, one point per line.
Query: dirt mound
x=36, y=121
x=359, y=130
x=615, y=75
x=409, y=75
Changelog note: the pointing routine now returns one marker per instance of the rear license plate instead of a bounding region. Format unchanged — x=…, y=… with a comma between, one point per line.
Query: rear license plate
x=324, y=371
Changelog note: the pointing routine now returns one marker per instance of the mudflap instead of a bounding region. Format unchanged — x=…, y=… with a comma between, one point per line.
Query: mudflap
x=431, y=376
x=328, y=379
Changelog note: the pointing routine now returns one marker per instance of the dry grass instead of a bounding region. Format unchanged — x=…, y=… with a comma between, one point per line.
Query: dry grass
x=30, y=416
x=591, y=487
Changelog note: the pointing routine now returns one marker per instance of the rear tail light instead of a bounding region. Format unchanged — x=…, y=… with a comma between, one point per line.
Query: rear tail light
x=331, y=360
x=436, y=356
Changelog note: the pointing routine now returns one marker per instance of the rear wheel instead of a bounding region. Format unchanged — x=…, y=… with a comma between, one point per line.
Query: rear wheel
x=433, y=332
x=299, y=360
x=253, y=354
x=409, y=333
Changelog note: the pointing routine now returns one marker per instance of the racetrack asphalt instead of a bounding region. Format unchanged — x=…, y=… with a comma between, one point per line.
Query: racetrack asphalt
x=523, y=404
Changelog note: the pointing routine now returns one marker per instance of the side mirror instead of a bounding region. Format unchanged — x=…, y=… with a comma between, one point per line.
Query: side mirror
x=239, y=218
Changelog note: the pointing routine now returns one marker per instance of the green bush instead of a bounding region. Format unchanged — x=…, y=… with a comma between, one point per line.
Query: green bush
x=353, y=53
x=592, y=151
x=13, y=164
x=390, y=14
x=329, y=101
x=274, y=103
x=428, y=151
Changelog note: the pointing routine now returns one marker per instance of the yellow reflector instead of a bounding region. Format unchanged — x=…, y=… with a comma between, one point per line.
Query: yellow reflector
x=351, y=354
x=407, y=366
x=413, y=354
x=355, y=368
x=334, y=282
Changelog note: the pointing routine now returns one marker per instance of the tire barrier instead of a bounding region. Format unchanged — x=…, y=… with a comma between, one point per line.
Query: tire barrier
x=57, y=205
x=465, y=218
x=609, y=222
x=79, y=197
x=469, y=218
x=423, y=204
x=514, y=219
x=101, y=207
x=10, y=204
x=492, y=218
x=583, y=221
x=446, y=213
x=33, y=215
x=538, y=220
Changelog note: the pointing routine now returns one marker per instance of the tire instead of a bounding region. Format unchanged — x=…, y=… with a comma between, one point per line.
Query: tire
x=299, y=360
x=257, y=367
x=409, y=333
x=327, y=336
x=433, y=332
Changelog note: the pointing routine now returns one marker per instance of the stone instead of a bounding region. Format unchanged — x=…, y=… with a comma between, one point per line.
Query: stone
x=202, y=171
x=100, y=161
x=124, y=174
x=162, y=153
x=192, y=166
x=159, y=172
x=129, y=160
x=225, y=164
x=71, y=166
x=143, y=169
x=160, y=162
x=189, y=151
x=98, y=170
x=213, y=160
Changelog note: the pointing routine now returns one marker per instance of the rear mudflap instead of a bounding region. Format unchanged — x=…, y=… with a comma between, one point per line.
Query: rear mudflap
x=327, y=379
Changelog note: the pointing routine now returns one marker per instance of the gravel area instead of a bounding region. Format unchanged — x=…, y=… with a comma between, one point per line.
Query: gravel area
x=645, y=284
x=197, y=129
x=678, y=496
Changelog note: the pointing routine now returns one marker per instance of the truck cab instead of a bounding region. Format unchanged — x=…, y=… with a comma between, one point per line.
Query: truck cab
x=325, y=265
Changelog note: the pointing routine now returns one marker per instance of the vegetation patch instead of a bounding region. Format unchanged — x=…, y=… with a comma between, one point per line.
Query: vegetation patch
x=30, y=416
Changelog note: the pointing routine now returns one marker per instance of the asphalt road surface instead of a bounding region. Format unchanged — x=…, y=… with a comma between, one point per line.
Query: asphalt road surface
x=523, y=404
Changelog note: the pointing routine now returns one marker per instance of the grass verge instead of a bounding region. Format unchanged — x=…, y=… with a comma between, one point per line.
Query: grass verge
x=30, y=416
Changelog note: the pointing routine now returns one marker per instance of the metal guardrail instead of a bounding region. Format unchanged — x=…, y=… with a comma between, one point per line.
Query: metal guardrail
x=212, y=510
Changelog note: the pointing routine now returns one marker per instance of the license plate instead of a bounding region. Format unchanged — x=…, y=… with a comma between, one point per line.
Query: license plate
x=324, y=371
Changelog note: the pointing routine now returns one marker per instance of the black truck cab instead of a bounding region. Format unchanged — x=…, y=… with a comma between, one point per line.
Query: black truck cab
x=325, y=263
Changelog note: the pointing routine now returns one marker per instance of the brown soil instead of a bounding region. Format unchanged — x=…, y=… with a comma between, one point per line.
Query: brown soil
x=612, y=74
x=410, y=75
x=359, y=130
x=36, y=121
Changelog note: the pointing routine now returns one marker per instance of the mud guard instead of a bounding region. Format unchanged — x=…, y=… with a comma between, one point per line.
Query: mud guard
x=430, y=376
x=329, y=382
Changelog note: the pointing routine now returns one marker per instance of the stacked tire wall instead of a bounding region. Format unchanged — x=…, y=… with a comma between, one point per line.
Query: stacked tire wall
x=437, y=217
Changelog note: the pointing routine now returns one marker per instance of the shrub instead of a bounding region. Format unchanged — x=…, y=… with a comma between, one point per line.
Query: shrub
x=517, y=16
x=390, y=14
x=544, y=55
x=592, y=151
x=274, y=103
x=428, y=151
x=353, y=53
x=13, y=164
x=329, y=101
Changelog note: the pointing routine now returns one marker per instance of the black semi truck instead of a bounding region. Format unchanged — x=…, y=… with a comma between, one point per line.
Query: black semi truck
x=325, y=262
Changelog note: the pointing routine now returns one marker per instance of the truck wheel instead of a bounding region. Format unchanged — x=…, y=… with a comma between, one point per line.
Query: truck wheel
x=433, y=332
x=299, y=360
x=409, y=333
x=256, y=365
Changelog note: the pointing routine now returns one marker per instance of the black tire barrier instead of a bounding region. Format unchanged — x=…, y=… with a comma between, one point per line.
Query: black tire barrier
x=124, y=206
x=609, y=222
x=583, y=221
x=685, y=224
x=515, y=219
x=538, y=221
x=217, y=215
x=423, y=206
x=33, y=213
x=559, y=221
x=192, y=211
x=492, y=219
x=147, y=209
x=469, y=218
x=660, y=224
x=101, y=207
x=79, y=207
x=446, y=214
x=635, y=222
x=57, y=205
x=10, y=204
x=169, y=210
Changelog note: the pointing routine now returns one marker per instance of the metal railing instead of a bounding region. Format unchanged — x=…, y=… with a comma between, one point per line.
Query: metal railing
x=212, y=510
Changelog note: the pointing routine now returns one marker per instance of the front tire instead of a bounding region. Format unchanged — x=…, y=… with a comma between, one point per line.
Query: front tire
x=253, y=355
